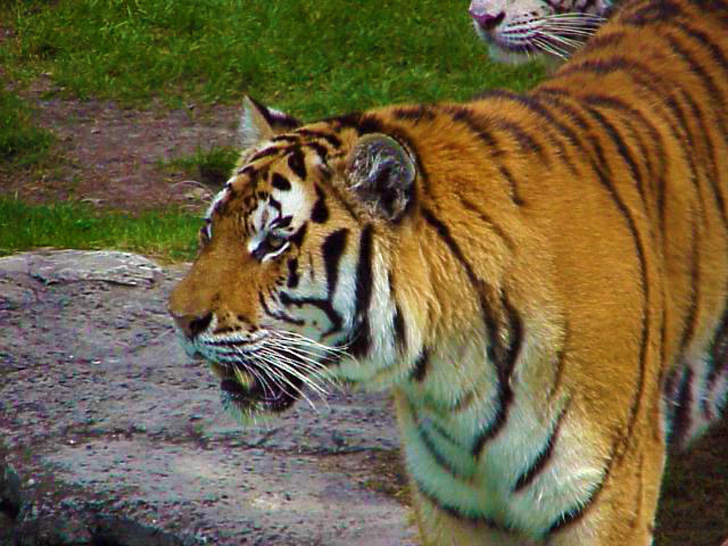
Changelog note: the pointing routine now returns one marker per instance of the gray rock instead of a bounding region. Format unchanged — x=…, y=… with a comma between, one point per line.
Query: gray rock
x=62, y=266
x=113, y=432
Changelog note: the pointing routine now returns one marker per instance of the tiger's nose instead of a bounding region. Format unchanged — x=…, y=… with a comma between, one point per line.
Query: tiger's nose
x=192, y=325
x=485, y=20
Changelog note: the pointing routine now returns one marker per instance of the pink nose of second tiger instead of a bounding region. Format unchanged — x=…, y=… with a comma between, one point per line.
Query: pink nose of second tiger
x=486, y=21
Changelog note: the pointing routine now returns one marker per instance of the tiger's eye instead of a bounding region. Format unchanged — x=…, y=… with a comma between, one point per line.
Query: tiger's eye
x=274, y=241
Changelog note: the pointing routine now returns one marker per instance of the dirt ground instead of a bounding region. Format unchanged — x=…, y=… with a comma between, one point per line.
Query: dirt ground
x=113, y=157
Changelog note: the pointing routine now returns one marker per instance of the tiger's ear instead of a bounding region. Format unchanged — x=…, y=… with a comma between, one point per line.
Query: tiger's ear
x=260, y=123
x=382, y=175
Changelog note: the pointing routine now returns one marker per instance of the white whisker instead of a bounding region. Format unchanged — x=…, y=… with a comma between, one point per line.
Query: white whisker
x=288, y=365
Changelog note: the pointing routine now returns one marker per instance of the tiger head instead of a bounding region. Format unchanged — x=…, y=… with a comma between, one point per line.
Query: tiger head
x=284, y=282
x=516, y=30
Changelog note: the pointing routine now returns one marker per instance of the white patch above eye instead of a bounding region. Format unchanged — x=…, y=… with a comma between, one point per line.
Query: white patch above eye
x=211, y=209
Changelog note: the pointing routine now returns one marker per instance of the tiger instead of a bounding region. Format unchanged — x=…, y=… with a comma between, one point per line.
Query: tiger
x=516, y=31
x=539, y=279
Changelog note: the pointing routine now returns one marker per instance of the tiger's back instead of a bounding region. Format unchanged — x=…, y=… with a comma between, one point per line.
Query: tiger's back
x=540, y=278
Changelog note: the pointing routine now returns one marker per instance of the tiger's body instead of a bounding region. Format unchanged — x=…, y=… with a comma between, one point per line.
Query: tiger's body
x=517, y=30
x=541, y=279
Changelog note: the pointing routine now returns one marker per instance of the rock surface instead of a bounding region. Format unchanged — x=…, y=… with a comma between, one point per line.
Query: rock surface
x=110, y=435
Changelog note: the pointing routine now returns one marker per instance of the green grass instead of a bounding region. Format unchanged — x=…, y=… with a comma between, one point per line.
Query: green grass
x=167, y=235
x=313, y=57
x=210, y=166
x=22, y=143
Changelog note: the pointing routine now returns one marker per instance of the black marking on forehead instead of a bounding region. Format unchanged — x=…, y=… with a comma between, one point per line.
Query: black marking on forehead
x=296, y=163
x=320, y=212
x=285, y=138
x=328, y=137
x=280, y=182
x=321, y=150
x=271, y=150
x=362, y=123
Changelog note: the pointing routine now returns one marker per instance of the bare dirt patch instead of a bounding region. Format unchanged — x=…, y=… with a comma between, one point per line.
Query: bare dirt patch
x=114, y=157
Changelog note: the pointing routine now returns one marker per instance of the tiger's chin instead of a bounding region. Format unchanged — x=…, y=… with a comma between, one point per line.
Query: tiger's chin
x=248, y=397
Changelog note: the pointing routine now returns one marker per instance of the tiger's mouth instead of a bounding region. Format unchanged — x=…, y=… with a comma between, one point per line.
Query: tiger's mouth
x=253, y=394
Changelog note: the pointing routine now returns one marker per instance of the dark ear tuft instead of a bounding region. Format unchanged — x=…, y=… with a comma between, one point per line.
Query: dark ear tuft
x=259, y=123
x=382, y=175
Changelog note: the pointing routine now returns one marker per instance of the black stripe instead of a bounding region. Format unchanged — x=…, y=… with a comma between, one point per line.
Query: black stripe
x=321, y=151
x=555, y=387
x=622, y=149
x=440, y=459
x=478, y=285
x=713, y=176
x=503, y=357
x=280, y=182
x=398, y=323
x=531, y=103
x=656, y=174
x=324, y=305
x=512, y=185
x=538, y=465
x=523, y=138
x=297, y=163
x=718, y=352
x=422, y=366
x=663, y=93
x=652, y=13
x=361, y=344
x=706, y=41
x=573, y=112
x=298, y=237
x=681, y=418
x=400, y=330
x=293, y=276
x=283, y=221
x=469, y=118
x=280, y=316
x=601, y=41
x=715, y=94
x=456, y=512
x=717, y=8
x=320, y=212
x=270, y=150
x=414, y=113
x=332, y=250
x=692, y=315
x=505, y=361
x=331, y=138
x=574, y=514
x=290, y=139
